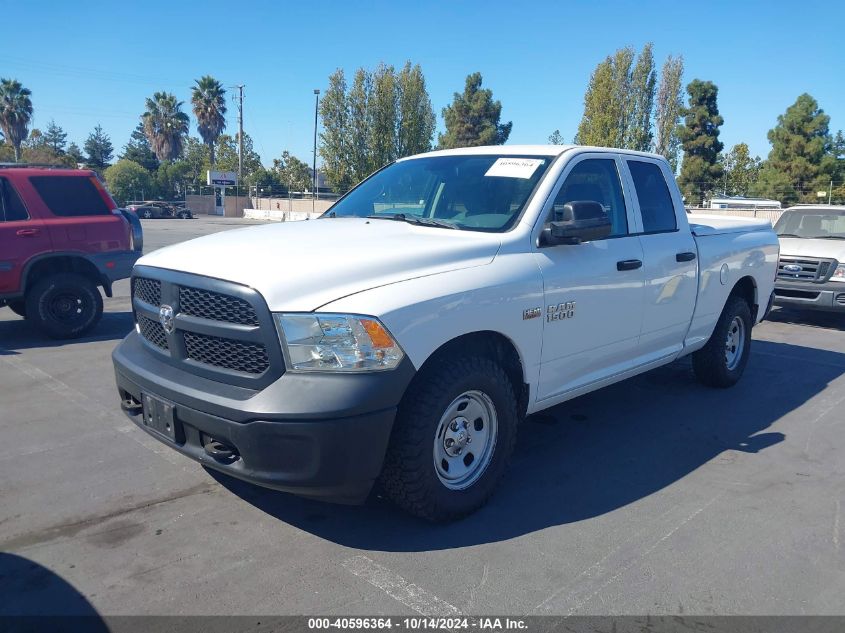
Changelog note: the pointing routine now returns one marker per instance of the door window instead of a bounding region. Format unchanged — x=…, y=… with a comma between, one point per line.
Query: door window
x=11, y=207
x=656, y=206
x=596, y=180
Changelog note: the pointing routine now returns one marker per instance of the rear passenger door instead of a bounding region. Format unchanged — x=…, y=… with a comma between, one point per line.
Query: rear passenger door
x=669, y=260
x=82, y=219
x=21, y=237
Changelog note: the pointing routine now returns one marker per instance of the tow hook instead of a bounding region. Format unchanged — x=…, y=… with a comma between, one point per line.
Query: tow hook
x=131, y=406
x=218, y=450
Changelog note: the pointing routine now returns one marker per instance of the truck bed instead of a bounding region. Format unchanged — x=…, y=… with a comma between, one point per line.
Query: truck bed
x=702, y=225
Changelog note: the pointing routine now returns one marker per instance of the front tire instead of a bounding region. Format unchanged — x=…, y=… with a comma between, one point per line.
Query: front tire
x=454, y=435
x=65, y=305
x=722, y=361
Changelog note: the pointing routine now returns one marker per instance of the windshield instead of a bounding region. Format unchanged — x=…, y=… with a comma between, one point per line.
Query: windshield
x=812, y=223
x=475, y=192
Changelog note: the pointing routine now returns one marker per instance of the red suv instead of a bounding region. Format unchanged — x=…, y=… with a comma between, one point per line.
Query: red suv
x=61, y=236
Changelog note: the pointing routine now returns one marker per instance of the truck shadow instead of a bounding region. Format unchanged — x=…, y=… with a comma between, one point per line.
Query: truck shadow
x=592, y=455
x=17, y=334
x=811, y=318
x=36, y=598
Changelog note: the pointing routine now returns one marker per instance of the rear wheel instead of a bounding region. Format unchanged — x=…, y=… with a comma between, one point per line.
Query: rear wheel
x=18, y=306
x=146, y=214
x=453, y=438
x=722, y=361
x=65, y=305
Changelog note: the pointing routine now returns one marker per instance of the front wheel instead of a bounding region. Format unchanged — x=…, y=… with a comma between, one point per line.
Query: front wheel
x=722, y=361
x=454, y=435
x=65, y=305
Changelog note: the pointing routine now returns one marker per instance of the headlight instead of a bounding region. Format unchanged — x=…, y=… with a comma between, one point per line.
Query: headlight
x=839, y=273
x=337, y=342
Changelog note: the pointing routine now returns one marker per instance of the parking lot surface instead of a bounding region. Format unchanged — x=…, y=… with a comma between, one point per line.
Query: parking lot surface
x=656, y=495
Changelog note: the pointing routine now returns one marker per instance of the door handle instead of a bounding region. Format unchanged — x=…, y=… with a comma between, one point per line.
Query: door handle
x=684, y=257
x=629, y=264
x=28, y=232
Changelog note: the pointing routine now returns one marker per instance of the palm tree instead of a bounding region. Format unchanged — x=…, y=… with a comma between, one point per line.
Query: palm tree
x=15, y=112
x=165, y=125
x=209, y=100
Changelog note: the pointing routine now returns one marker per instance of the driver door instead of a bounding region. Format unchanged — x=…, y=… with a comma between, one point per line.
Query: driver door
x=594, y=291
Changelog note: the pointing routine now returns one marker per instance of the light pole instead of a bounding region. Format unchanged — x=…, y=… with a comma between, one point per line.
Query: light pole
x=316, y=110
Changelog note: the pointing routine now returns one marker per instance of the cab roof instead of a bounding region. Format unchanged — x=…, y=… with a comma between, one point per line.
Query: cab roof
x=527, y=150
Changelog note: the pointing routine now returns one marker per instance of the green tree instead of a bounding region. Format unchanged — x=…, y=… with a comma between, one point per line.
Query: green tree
x=800, y=142
x=139, y=151
x=74, y=154
x=382, y=116
x=357, y=143
x=165, y=125
x=667, y=111
x=127, y=180
x=171, y=180
x=606, y=102
x=741, y=170
x=55, y=137
x=640, y=99
x=209, y=100
x=334, y=137
x=196, y=154
x=699, y=136
x=35, y=140
x=15, y=113
x=98, y=149
x=294, y=174
x=415, y=128
x=227, y=155
x=472, y=119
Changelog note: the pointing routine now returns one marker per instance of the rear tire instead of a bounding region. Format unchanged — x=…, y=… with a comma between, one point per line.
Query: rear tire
x=722, y=361
x=18, y=306
x=65, y=305
x=441, y=465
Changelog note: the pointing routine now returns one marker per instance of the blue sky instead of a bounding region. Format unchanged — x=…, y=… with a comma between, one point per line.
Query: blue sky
x=95, y=62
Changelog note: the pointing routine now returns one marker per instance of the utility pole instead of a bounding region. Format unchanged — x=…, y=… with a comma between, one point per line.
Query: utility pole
x=240, y=132
x=830, y=193
x=315, y=193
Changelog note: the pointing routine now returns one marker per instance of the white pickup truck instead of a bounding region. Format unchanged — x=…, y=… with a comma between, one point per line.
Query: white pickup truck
x=402, y=337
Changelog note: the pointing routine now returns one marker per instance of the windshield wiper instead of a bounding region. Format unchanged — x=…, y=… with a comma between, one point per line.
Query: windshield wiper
x=789, y=235
x=415, y=219
x=828, y=237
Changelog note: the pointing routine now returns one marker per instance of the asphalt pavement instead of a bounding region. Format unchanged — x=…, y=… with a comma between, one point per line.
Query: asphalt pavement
x=656, y=495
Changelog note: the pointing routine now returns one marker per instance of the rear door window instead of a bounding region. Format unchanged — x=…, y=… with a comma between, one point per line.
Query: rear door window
x=656, y=206
x=70, y=196
x=11, y=207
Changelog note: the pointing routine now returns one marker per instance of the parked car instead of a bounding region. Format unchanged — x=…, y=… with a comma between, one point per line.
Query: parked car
x=427, y=313
x=811, y=270
x=155, y=209
x=61, y=237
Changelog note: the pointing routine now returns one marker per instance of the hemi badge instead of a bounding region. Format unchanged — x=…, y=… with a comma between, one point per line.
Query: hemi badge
x=531, y=313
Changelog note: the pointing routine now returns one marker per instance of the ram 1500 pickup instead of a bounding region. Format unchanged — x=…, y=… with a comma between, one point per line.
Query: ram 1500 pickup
x=403, y=336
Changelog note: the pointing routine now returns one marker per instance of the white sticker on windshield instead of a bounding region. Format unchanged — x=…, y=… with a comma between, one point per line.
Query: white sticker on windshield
x=514, y=167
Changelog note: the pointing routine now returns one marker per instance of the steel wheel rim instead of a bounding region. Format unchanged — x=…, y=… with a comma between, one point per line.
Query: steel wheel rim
x=66, y=308
x=465, y=440
x=734, y=343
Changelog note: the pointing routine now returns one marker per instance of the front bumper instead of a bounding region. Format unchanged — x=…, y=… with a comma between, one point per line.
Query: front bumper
x=316, y=435
x=828, y=296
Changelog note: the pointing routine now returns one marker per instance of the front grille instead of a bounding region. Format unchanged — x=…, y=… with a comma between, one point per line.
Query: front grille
x=805, y=269
x=216, y=306
x=153, y=332
x=148, y=290
x=235, y=355
x=221, y=330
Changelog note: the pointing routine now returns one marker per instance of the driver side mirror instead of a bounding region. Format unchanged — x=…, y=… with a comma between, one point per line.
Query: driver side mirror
x=580, y=221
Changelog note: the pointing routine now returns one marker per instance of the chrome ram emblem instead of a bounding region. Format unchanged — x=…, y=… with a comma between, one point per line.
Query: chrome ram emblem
x=165, y=317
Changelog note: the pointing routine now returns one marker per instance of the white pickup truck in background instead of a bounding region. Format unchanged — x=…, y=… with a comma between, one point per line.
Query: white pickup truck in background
x=402, y=337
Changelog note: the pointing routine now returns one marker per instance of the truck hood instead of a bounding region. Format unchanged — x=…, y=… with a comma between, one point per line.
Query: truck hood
x=300, y=266
x=803, y=247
